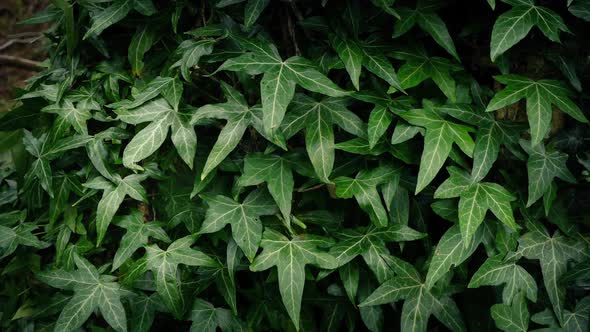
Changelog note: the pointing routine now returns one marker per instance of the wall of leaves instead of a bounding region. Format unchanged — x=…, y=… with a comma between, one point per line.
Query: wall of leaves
x=335, y=165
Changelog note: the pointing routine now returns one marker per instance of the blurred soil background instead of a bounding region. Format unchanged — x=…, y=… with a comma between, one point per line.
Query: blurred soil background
x=21, y=46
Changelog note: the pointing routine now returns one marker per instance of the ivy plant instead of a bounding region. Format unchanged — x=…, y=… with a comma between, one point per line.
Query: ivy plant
x=265, y=165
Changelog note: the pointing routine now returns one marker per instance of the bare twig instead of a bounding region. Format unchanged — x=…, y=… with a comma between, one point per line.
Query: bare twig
x=24, y=35
x=318, y=186
x=299, y=16
x=292, y=34
x=297, y=12
x=203, y=13
x=17, y=41
x=14, y=61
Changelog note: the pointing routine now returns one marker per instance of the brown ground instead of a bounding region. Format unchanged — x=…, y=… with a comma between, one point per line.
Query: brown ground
x=24, y=42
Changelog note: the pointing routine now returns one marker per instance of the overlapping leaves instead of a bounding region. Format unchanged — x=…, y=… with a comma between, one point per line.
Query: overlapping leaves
x=294, y=104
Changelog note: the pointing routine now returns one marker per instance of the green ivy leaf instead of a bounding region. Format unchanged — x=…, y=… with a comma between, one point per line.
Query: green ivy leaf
x=438, y=141
x=278, y=82
x=191, y=52
x=495, y=271
x=276, y=172
x=553, y=252
x=428, y=21
x=364, y=188
x=72, y=115
x=370, y=242
x=141, y=42
x=244, y=218
x=450, y=251
x=113, y=195
x=578, y=319
x=543, y=167
x=143, y=309
x=92, y=291
x=150, y=138
x=513, y=317
x=105, y=18
x=419, y=67
x=253, y=10
x=290, y=258
x=318, y=119
x=20, y=235
x=540, y=96
x=419, y=303
x=475, y=200
x=512, y=26
x=491, y=135
x=138, y=232
x=164, y=265
x=581, y=9
x=205, y=317
x=379, y=121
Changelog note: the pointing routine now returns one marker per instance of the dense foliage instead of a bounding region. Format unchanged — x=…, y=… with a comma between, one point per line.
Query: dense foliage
x=300, y=165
